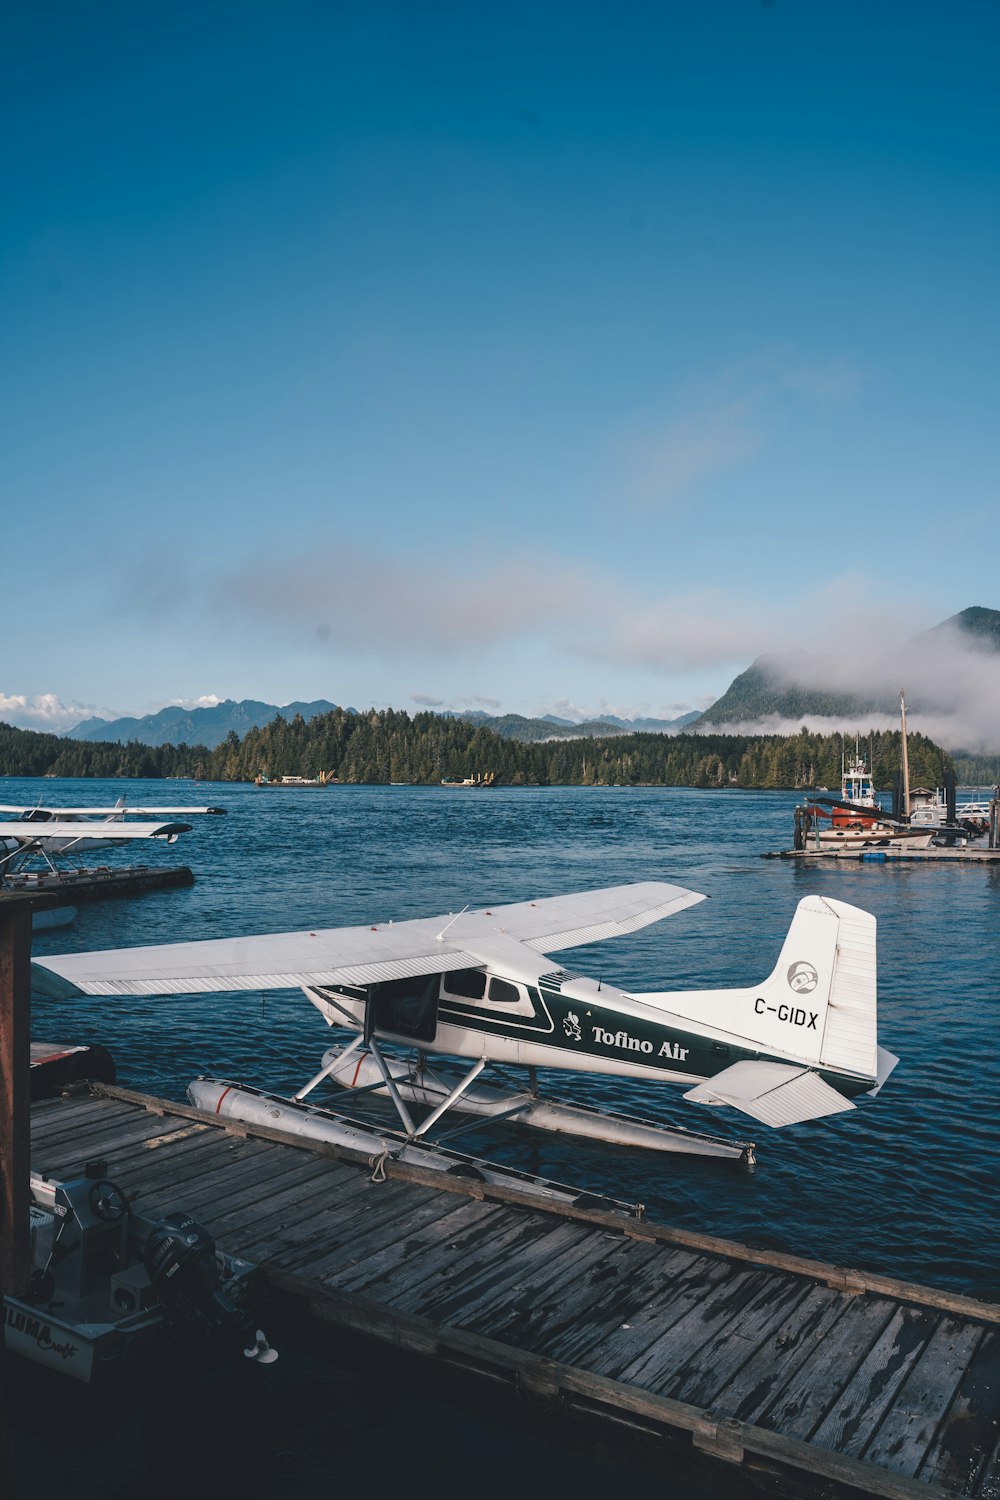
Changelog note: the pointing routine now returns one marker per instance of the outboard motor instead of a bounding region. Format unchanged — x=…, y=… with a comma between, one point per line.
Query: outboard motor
x=181, y=1263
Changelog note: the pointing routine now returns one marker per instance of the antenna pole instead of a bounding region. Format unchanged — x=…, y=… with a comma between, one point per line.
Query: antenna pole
x=905, y=757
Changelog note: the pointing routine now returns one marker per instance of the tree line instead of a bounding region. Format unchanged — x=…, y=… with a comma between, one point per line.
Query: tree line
x=389, y=745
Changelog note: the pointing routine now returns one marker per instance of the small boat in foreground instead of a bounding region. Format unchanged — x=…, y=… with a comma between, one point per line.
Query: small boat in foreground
x=106, y=1280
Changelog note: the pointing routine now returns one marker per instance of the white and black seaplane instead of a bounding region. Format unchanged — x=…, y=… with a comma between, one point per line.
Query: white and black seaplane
x=47, y=831
x=481, y=986
x=33, y=839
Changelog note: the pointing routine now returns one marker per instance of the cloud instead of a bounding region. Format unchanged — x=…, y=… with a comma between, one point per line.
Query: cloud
x=458, y=703
x=207, y=700
x=703, y=628
x=666, y=464
x=831, y=379
x=45, y=712
x=667, y=457
x=951, y=685
x=365, y=600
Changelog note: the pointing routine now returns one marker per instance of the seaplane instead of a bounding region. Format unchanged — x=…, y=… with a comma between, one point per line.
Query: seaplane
x=482, y=987
x=47, y=832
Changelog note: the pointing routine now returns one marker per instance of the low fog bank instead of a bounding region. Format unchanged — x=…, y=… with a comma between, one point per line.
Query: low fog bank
x=951, y=684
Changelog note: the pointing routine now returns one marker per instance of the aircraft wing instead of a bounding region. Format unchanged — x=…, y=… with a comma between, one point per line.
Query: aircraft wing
x=357, y=955
x=155, y=812
x=118, y=811
x=587, y=916
x=103, y=829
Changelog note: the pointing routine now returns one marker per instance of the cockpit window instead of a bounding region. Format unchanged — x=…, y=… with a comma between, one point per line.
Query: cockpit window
x=469, y=983
x=503, y=993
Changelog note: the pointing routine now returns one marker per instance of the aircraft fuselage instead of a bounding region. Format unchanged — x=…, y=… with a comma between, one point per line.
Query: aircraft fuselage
x=561, y=1021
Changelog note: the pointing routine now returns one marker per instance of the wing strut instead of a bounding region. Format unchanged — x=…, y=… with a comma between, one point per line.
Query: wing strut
x=366, y=1038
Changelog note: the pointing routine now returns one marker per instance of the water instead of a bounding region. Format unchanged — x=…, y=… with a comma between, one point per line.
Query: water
x=904, y=1185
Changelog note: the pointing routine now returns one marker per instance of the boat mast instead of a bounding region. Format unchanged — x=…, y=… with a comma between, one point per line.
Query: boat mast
x=906, y=763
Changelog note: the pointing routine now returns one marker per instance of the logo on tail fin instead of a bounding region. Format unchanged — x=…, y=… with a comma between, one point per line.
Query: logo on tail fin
x=802, y=978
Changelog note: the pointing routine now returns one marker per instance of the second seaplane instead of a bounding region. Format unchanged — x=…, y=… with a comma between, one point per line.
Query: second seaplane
x=48, y=832
x=481, y=986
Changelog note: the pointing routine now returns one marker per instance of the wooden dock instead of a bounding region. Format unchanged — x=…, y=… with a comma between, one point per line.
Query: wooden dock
x=882, y=855
x=100, y=883
x=827, y=1379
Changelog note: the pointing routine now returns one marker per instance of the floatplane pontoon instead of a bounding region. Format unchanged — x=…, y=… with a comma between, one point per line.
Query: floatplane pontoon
x=481, y=986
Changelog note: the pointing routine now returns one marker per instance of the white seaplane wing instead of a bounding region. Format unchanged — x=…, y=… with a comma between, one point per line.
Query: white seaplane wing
x=158, y=812
x=104, y=829
x=359, y=955
x=586, y=916
x=40, y=813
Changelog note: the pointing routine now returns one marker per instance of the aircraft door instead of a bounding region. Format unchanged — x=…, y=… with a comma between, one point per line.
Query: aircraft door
x=407, y=1007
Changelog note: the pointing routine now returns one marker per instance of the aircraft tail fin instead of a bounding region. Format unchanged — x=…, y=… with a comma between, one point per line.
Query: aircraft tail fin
x=819, y=1008
x=820, y=1002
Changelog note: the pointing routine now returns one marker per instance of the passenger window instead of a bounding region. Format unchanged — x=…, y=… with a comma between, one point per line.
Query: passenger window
x=502, y=993
x=469, y=983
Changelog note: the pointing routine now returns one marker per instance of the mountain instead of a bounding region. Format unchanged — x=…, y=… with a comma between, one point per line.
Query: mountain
x=779, y=685
x=790, y=686
x=517, y=727
x=982, y=626
x=194, y=726
x=650, y=726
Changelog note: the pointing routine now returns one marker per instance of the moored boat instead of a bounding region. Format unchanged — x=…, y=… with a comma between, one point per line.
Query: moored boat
x=107, y=1280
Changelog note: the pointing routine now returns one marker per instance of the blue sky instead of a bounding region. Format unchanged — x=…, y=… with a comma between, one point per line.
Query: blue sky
x=536, y=357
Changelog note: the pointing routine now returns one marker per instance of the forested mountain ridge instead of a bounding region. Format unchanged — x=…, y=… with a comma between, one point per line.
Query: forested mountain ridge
x=979, y=624
x=194, y=726
x=790, y=686
x=764, y=690
x=517, y=727
x=209, y=726
x=390, y=746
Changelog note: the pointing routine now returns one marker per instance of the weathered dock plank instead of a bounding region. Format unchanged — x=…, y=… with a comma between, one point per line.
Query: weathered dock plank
x=801, y=1403
x=837, y=1377
x=753, y=1386
x=904, y=1438
x=867, y=1397
x=965, y=1453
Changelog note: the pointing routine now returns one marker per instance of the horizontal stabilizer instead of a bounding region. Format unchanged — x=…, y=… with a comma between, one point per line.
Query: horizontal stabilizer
x=775, y=1093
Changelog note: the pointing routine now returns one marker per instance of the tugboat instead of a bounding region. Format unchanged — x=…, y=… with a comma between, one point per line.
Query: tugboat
x=917, y=819
x=857, y=817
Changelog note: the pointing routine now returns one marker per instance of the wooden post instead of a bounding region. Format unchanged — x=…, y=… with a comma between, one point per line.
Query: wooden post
x=15, y=1087
x=15, y=1119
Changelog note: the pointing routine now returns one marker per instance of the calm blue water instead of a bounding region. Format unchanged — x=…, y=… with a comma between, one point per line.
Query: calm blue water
x=905, y=1185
